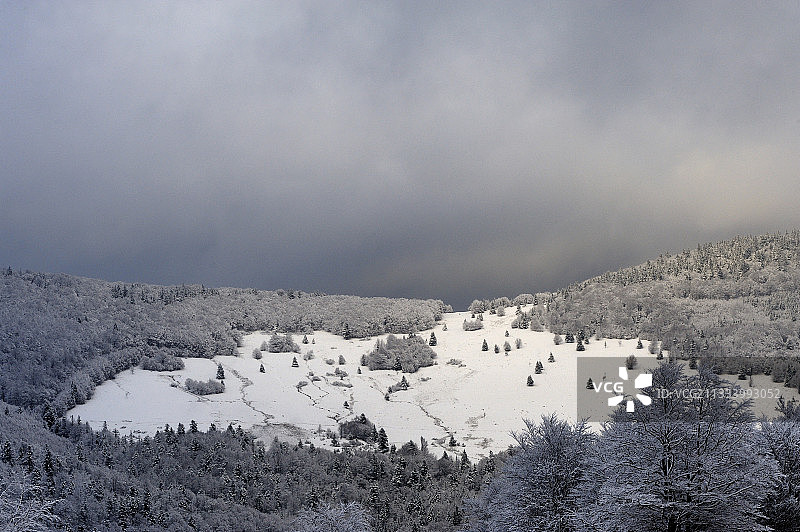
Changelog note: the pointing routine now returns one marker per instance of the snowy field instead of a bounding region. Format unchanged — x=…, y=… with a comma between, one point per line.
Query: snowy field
x=480, y=401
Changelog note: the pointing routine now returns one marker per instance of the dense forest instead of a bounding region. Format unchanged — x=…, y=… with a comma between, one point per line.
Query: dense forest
x=184, y=479
x=60, y=335
x=739, y=297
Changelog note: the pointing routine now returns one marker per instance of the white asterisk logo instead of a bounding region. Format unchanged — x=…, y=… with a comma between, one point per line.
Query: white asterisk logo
x=643, y=380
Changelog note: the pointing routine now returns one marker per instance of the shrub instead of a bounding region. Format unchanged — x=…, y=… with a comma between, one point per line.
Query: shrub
x=359, y=428
x=162, y=362
x=557, y=339
x=473, y=325
x=518, y=343
x=631, y=362
x=208, y=387
x=257, y=354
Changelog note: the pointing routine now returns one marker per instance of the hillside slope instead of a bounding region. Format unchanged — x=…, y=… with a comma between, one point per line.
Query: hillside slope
x=737, y=297
x=61, y=335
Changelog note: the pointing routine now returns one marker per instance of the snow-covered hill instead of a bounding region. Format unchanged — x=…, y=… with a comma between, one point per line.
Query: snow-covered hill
x=479, y=401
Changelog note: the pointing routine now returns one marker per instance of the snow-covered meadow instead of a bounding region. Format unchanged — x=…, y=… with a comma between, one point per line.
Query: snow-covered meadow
x=479, y=401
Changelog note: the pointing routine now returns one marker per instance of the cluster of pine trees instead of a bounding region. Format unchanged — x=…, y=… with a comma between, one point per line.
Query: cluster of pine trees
x=183, y=478
x=406, y=354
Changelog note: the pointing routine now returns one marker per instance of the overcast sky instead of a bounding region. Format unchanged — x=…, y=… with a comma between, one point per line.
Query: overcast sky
x=418, y=149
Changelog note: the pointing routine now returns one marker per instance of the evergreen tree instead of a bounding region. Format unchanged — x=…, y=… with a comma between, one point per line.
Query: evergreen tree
x=551, y=358
x=530, y=380
x=383, y=441
x=639, y=344
x=193, y=426
x=6, y=455
x=496, y=348
x=506, y=334
x=580, y=347
x=220, y=372
x=432, y=341
x=485, y=346
x=539, y=367
x=295, y=364
x=261, y=368
x=506, y=347
x=305, y=339
x=590, y=384
x=452, y=441
x=569, y=338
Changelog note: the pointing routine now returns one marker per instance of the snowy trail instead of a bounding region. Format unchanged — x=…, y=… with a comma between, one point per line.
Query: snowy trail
x=245, y=384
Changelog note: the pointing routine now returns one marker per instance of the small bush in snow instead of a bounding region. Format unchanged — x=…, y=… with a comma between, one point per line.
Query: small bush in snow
x=473, y=325
x=162, y=362
x=208, y=387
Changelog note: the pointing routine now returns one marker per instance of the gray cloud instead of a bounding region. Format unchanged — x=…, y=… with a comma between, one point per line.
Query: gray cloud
x=445, y=150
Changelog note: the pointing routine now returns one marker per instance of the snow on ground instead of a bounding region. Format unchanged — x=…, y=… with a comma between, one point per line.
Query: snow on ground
x=480, y=402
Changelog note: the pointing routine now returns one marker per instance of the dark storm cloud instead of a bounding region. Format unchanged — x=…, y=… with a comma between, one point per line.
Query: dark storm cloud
x=443, y=150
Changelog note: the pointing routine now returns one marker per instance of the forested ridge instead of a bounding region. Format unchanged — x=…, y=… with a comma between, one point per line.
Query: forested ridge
x=737, y=297
x=61, y=335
